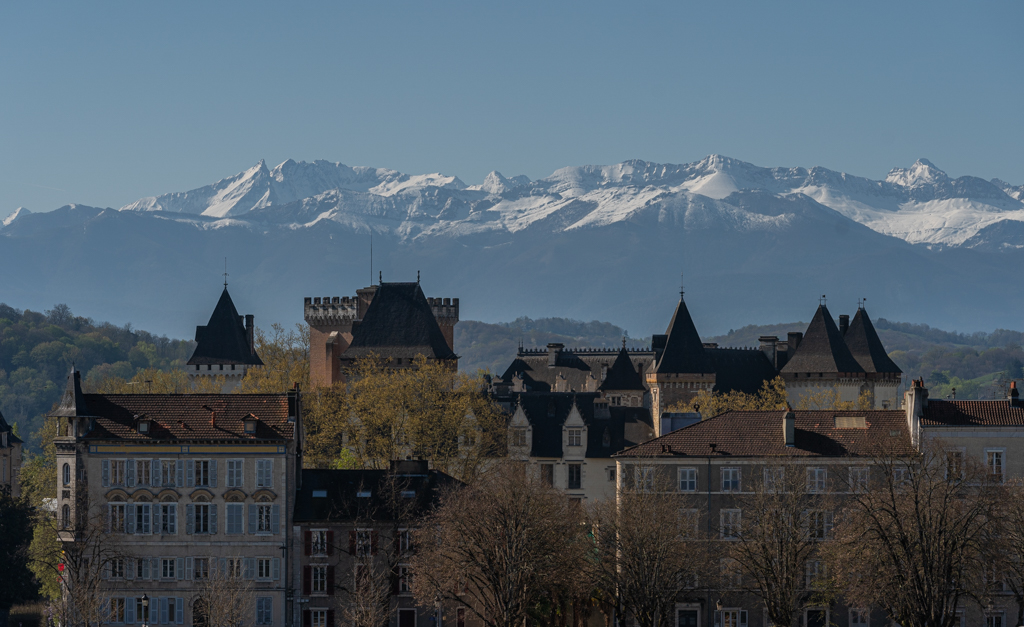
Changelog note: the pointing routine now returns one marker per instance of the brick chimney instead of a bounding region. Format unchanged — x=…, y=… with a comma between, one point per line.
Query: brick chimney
x=789, y=428
x=1014, y=399
x=915, y=401
x=554, y=352
x=844, y=324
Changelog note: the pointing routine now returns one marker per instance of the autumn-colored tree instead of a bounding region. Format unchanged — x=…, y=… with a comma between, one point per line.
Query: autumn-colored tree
x=153, y=381
x=285, y=356
x=828, y=398
x=771, y=397
x=499, y=545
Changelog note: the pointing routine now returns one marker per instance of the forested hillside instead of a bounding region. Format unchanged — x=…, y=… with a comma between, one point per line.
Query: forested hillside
x=37, y=350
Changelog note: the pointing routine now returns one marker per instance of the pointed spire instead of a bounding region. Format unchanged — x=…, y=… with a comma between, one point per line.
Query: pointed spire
x=822, y=348
x=622, y=375
x=224, y=339
x=866, y=347
x=684, y=352
x=72, y=403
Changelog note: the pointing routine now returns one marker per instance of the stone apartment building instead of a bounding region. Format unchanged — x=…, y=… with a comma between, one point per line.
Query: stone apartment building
x=10, y=459
x=394, y=321
x=185, y=486
x=713, y=463
x=353, y=529
x=224, y=346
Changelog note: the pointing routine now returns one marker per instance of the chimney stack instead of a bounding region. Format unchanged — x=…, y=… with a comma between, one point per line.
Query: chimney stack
x=793, y=341
x=554, y=352
x=844, y=324
x=250, y=329
x=768, y=348
x=789, y=428
x=1014, y=399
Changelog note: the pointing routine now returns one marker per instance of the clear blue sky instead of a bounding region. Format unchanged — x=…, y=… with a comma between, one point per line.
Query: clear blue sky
x=103, y=103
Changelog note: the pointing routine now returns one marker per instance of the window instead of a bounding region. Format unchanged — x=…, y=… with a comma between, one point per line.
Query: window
x=690, y=523
x=116, y=516
x=117, y=568
x=202, y=568
x=364, y=543
x=900, y=476
x=404, y=579
x=994, y=579
x=263, y=568
x=201, y=519
x=819, y=524
x=643, y=478
x=994, y=460
x=65, y=517
x=575, y=437
x=142, y=517
x=65, y=474
x=994, y=620
x=263, y=518
x=142, y=611
x=812, y=572
x=167, y=473
x=235, y=469
x=731, y=618
x=730, y=520
x=404, y=541
x=687, y=617
x=168, y=518
x=774, y=479
x=611, y=474
x=859, y=617
x=732, y=574
x=816, y=480
x=575, y=475
x=116, y=610
x=518, y=438
x=954, y=463
x=687, y=479
x=319, y=579
x=730, y=480
x=233, y=567
x=318, y=618
x=264, y=473
x=201, y=467
x=117, y=472
x=264, y=610
x=859, y=480
x=318, y=542
x=234, y=518
x=142, y=468
x=547, y=474
x=175, y=608
x=167, y=568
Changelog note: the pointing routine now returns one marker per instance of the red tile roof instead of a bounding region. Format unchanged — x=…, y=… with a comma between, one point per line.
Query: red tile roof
x=971, y=413
x=760, y=434
x=188, y=416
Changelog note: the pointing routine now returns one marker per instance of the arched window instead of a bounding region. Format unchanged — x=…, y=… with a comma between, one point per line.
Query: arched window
x=66, y=474
x=65, y=517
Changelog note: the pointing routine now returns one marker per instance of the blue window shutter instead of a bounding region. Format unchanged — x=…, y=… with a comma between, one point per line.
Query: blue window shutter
x=248, y=568
x=188, y=568
x=173, y=519
x=129, y=568
x=190, y=474
x=213, y=519
x=223, y=571
x=276, y=567
x=179, y=567
x=179, y=610
x=213, y=474
x=129, y=610
x=145, y=568
x=275, y=519
x=130, y=527
x=106, y=473
x=190, y=516
x=179, y=473
x=163, y=610
x=130, y=471
x=252, y=518
x=155, y=472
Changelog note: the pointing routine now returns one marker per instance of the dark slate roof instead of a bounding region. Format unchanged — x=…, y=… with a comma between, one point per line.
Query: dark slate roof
x=684, y=352
x=224, y=340
x=760, y=434
x=822, y=348
x=547, y=412
x=741, y=369
x=188, y=416
x=399, y=323
x=340, y=504
x=972, y=413
x=623, y=374
x=72, y=403
x=575, y=365
x=11, y=438
x=866, y=347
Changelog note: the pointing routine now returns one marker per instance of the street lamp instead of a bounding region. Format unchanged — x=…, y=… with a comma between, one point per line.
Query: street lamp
x=145, y=610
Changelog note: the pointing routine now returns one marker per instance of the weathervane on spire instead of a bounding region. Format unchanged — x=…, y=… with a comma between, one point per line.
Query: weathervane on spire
x=860, y=303
x=682, y=284
x=822, y=300
x=225, y=273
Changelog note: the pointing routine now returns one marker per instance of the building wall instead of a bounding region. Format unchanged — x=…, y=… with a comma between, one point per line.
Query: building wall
x=10, y=468
x=232, y=374
x=849, y=389
x=669, y=389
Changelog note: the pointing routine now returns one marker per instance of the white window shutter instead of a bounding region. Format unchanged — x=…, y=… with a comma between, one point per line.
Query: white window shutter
x=275, y=519
x=213, y=473
x=248, y=567
x=130, y=471
x=106, y=473
x=179, y=473
x=179, y=610
x=179, y=568
x=189, y=562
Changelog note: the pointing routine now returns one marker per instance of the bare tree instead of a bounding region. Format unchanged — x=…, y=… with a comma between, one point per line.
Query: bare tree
x=914, y=542
x=1006, y=545
x=651, y=551
x=497, y=546
x=226, y=597
x=774, y=546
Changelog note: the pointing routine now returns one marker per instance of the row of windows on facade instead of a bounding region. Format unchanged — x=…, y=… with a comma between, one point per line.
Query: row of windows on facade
x=574, y=478
x=519, y=437
x=322, y=617
x=192, y=568
x=318, y=579
x=361, y=542
x=177, y=473
x=167, y=611
x=200, y=518
x=211, y=367
x=816, y=523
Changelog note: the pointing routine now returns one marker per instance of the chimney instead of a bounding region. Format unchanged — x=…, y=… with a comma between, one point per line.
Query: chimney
x=789, y=428
x=915, y=401
x=844, y=324
x=1014, y=400
x=768, y=347
x=793, y=342
x=250, y=328
x=554, y=352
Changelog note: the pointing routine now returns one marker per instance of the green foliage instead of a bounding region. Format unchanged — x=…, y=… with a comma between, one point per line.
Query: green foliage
x=15, y=538
x=37, y=350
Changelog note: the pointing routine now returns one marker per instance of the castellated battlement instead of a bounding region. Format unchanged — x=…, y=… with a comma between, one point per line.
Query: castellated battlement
x=445, y=308
x=329, y=310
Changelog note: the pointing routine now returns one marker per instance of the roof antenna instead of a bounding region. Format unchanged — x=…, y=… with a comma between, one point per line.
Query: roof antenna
x=225, y=273
x=681, y=286
x=380, y=276
x=417, y=277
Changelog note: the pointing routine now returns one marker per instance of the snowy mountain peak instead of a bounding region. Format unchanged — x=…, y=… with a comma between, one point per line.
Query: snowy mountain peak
x=17, y=213
x=495, y=183
x=922, y=173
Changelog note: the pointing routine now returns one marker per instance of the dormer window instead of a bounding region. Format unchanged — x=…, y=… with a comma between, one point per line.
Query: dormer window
x=575, y=437
x=143, y=424
x=250, y=423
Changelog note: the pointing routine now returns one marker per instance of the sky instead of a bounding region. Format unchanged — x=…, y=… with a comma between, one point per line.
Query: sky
x=104, y=103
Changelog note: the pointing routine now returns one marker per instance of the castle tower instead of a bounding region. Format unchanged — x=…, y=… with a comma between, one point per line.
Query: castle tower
x=822, y=361
x=73, y=422
x=682, y=368
x=623, y=385
x=882, y=375
x=224, y=347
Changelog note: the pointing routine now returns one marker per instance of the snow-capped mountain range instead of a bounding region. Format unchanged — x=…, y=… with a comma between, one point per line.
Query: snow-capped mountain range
x=752, y=237
x=919, y=204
